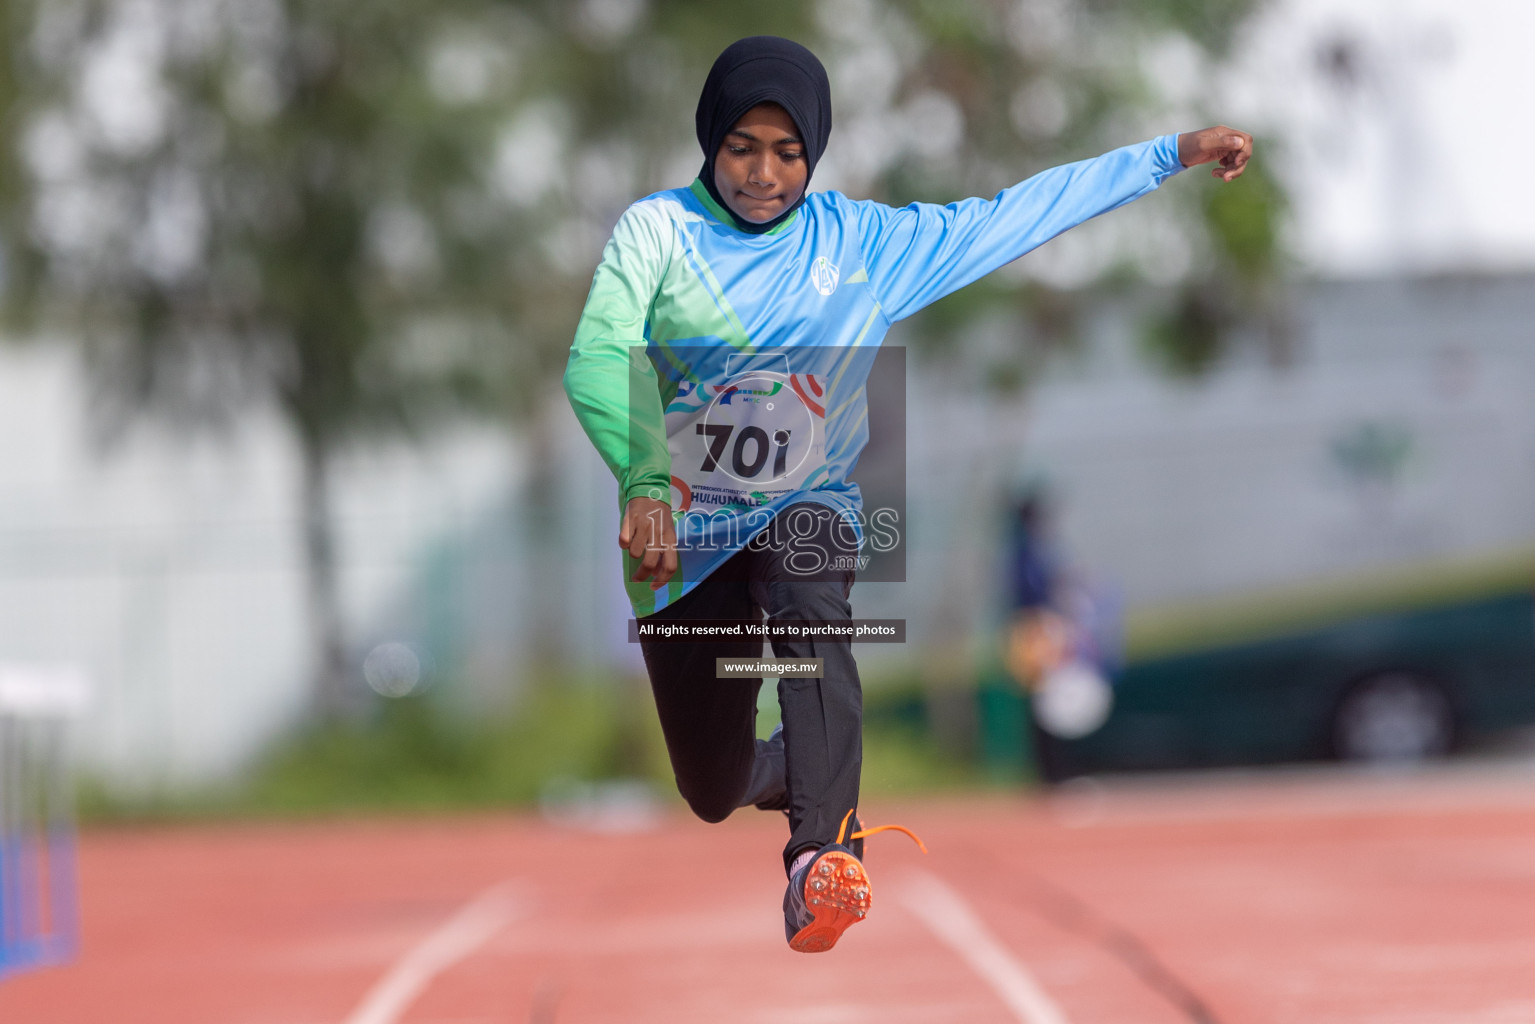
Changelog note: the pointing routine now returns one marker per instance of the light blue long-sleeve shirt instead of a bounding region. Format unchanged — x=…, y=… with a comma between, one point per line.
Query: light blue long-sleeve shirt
x=724, y=371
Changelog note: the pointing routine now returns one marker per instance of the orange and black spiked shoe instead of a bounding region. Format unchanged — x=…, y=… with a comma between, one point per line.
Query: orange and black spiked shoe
x=829, y=894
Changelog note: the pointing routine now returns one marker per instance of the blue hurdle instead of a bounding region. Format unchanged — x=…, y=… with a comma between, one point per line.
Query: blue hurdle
x=39, y=916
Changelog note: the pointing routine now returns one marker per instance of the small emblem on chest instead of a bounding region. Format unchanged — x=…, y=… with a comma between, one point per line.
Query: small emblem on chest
x=823, y=274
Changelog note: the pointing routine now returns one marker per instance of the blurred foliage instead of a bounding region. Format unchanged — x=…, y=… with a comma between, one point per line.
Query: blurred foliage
x=1240, y=285
x=1189, y=337
x=265, y=203
x=1245, y=223
x=987, y=92
x=414, y=755
x=364, y=215
x=368, y=215
x=370, y=212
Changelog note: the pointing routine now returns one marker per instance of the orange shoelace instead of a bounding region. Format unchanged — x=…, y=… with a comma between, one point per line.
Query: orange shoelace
x=861, y=833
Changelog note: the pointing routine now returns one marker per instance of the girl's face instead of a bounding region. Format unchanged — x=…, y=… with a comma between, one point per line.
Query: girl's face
x=760, y=168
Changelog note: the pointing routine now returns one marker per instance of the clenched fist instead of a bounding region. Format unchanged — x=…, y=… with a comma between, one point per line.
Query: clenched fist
x=648, y=535
x=1231, y=147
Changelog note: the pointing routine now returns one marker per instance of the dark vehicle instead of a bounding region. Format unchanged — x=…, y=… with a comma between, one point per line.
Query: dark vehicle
x=1400, y=674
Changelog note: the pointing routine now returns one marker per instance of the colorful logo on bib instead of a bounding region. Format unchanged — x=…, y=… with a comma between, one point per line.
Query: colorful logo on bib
x=823, y=274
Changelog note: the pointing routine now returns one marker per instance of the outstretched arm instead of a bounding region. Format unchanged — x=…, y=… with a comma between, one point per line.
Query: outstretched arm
x=919, y=254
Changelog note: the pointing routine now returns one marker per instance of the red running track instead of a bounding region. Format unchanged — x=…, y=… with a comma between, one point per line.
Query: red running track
x=1312, y=898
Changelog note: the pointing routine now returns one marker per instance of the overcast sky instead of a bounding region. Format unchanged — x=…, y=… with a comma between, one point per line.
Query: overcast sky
x=1425, y=164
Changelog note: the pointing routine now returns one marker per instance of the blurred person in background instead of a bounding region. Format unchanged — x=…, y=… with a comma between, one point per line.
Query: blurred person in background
x=718, y=367
x=1038, y=636
x=1061, y=637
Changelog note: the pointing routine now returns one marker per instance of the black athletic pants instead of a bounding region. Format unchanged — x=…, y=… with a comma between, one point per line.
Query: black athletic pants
x=710, y=724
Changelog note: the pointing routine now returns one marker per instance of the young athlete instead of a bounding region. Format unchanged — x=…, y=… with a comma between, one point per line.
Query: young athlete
x=719, y=368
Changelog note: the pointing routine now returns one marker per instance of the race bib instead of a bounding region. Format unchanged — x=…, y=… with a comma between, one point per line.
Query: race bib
x=746, y=439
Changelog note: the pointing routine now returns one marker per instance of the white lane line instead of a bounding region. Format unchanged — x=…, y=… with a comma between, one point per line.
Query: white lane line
x=950, y=919
x=466, y=931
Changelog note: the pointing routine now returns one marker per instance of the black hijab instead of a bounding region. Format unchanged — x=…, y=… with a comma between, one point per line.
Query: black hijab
x=764, y=69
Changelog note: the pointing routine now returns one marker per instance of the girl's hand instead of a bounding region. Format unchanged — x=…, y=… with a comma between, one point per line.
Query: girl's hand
x=1231, y=147
x=647, y=534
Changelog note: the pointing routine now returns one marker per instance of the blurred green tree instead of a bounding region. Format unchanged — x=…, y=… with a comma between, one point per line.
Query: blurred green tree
x=365, y=214
x=369, y=214
x=989, y=92
x=267, y=202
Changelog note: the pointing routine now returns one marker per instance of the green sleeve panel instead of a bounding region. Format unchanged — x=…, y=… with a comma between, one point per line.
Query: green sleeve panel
x=609, y=379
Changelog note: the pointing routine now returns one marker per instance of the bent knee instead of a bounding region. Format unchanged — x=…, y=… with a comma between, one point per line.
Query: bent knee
x=711, y=807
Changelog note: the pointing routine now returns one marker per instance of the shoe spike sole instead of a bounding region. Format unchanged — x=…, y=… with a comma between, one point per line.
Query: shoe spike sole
x=842, y=900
